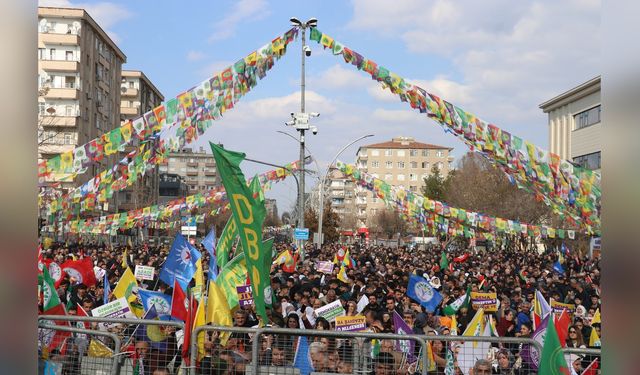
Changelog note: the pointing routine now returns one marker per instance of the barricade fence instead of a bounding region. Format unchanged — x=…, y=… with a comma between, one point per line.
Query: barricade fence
x=581, y=358
x=143, y=345
x=88, y=345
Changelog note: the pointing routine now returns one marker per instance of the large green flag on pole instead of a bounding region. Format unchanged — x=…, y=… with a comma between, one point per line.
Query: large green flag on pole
x=232, y=275
x=552, y=360
x=249, y=216
x=267, y=246
x=227, y=237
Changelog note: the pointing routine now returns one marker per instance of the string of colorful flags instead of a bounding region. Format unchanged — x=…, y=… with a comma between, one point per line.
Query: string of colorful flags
x=158, y=216
x=165, y=129
x=572, y=192
x=423, y=208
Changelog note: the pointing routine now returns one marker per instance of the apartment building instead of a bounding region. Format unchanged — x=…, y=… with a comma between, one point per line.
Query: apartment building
x=575, y=127
x=79, y=70
x=138, y=95
x=197, y=169
x=402, y=161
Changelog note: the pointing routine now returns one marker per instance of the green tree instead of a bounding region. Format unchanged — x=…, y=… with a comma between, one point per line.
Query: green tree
x=435, y=185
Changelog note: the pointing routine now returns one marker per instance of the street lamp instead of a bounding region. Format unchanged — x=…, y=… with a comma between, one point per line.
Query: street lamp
x=322, y=181
x=301, y=120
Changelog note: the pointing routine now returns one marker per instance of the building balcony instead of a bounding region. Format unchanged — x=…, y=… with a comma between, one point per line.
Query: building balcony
x=210, y=164
x=62, y=93
x=192, y=164
x=102, y=83
x=130, y=92
x=59, y=65
x=129, y=111
x=192, y=173
x=66, y=121
x=210, y=183
x=209, y=173
x=59, y=39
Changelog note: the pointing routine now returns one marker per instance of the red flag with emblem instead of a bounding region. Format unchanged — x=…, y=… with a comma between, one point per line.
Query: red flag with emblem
x=179, y=303
x=81, y=270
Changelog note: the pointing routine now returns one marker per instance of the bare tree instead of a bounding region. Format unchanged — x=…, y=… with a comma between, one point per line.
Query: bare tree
x=389, y=222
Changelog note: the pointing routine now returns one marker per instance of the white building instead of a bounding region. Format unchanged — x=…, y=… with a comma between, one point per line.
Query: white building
x=575, y=129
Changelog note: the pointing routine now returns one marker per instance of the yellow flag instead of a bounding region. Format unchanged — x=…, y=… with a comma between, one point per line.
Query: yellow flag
x=454, y=325
x=596, y=317
x=200, y=321
x=199, y=276
x=99, y=350
x=283, y=257
x=218, y=311
x=124, y=259
x=125, y=288
x=431, y=359
x=594, y=339
x=476, y=326
x=342, y=275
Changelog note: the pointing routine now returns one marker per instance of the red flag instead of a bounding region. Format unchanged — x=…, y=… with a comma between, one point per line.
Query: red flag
x=188, y=327
x=81, y=270
x=179, y=303
x=562, y=327
x=55, y=271
x=461, y=258
x=59, y=336
x=290, y=268
x=592, y=369
x=80, y=312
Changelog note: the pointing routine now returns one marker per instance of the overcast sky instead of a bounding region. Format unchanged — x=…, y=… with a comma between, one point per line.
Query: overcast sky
x=498, y=59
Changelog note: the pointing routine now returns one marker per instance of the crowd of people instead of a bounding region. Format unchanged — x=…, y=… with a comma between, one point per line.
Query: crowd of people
x=381, y=274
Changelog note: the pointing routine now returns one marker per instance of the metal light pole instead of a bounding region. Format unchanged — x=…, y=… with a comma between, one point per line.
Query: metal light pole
x=301, y=120
x=322, y=181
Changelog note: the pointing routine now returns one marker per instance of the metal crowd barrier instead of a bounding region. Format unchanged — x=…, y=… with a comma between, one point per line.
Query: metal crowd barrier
x=234, y=350
x=159, y=351
x=75, y=362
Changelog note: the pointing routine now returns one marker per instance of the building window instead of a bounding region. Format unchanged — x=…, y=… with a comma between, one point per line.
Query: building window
x=588, y=161
x=414, y=164
x=425, y=165
x=400, y=164
x=450, y=165
x=375, y=152
x=374, y=199
x=401, y=153
x=400, y=177
x=413, y=177
x=413, y=153
x=439, y=165
x=388, y=164
x=41, y=108
x=388, y=152
x=388, y=177
x=587, y=118
x=68, y=55
x=52, y=54
x=425, y=152
x=413, y=188
x=131, y=85
x=375, y=164
x=440, y=153
x=41, y=54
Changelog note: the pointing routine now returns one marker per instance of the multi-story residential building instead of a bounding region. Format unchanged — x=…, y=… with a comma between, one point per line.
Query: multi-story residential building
x=271, y=207
x=138, y=96
x=198, y=169
x=575, y=129
x=79, y=70
x=170, y=187
x=399, y=162
x=339, y=192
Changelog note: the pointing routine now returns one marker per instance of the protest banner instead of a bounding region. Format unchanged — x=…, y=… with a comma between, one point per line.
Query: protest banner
x=114, y=309
x=325, y=267
x=144, y=272
x=330, y=311
x=557, y=307
x=487, y=301
x=351, y=323
x=245, y=295
x=362, y=303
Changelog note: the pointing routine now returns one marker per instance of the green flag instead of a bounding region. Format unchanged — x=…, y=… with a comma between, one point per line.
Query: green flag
x=249, y=216
x=50, y=297
x=552, y=359
x=461, y=301
x=227, y=237
x=232, y=275
x=444, y=262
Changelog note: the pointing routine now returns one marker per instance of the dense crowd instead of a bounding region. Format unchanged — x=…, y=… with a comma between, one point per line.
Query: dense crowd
x=381, y=274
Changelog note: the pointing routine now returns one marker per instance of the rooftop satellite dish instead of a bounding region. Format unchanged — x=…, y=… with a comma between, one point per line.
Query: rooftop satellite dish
x=123, y=89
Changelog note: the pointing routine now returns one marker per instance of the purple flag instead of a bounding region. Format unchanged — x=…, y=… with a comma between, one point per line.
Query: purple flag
x=404, y=346
x=529, y=353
